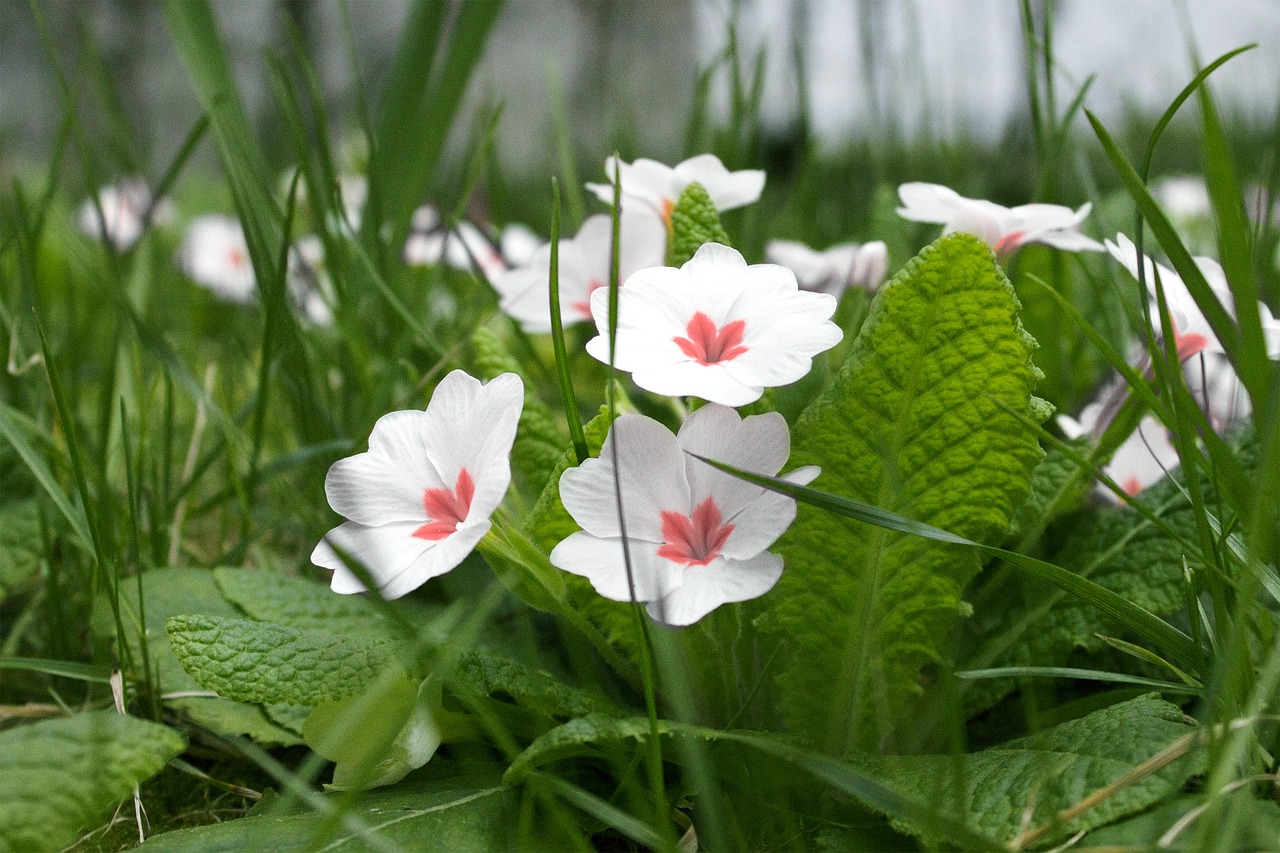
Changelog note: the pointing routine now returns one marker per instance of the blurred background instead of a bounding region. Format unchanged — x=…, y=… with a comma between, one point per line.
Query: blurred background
x=898, y=87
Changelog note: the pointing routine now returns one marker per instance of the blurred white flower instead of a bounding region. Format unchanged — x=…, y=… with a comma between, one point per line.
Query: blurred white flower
x=696, y=537
x=126, y=209
x=465, y=247
x=214, y=254
x=420, y=499
x=1182, y=197
x=1002, y=228
x=715, y=328
x=832, y=270
x=518, y=244
x=1143, y=459
x=659, y=186
x=525, y=292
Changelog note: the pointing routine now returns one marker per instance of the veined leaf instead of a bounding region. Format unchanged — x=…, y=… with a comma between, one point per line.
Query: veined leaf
x=1047, y=773
x=172, y=592
x=57, y=776
x=920, y=422
x=694, y=221
x=260, y=662
x=487, y=674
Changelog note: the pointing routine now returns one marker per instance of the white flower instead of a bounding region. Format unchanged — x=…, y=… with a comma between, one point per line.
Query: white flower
x=518, y=244
x=525, y=292
x=696, y=537
x=463, y=248
x=214, y=254
x=1183, y=197
x=715, y=328
x=419, y=500
x=1144, y=458
x=1004, y=229
x=659, y=186
x=1192, y=331
x=832, y=270
x=309, y=286
x=126, y=210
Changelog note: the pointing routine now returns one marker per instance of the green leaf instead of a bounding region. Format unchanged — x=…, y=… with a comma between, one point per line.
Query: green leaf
x=1254, y=825
x=1032, y=623
x=261, y=662
x=173, y=592
x=1045, y=774
x=539, y=440
x=488, y=674
x=694, y=221
x=20, y=545
x=309, y=606
x=59, y=776
x=1057, y=487
x=467, y=813
x=920, y=421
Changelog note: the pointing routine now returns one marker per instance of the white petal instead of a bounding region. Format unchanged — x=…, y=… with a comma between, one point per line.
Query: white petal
x=759, y=444
x=759, y=524
x=652, y=474
x=519, y=242
x=387, y=482
x=711, y=382
x=811, y=268
x=720, y=582
x=715, y=259
x=728, y=190
x=397, y=561
x=928, y=202
x=602, y=562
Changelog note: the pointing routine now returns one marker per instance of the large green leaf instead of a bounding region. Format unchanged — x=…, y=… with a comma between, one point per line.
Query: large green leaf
x=460, y=814
x=262, y=662
x=1023, y=784
x=58, y=776
x=927, y=419
x=173, y=592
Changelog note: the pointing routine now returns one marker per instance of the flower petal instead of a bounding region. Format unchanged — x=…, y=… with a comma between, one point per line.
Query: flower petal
x=720, y=582
x=601, y=561
x=923, y=202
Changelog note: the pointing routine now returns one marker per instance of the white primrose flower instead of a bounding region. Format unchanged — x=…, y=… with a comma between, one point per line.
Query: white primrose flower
x=1144, y=458
x=696, y=536
x=214, y=254
x=832, y=270
x=525, y=292
x=518, y=243
x=1004, y=229
x=715, y=328
x=659, y=185
x=419, y=500
x=1192, y=331
x=1183, y=197
x=465, y=247
x=126, y=210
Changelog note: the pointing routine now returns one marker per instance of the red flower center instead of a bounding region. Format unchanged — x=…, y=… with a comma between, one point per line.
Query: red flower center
x=709, y=345
x=584, y=306
x=1189, y=344
x=1131, y=486
x=694, y=540
x=446, y=509
x=1009, y=242
x=237, y=258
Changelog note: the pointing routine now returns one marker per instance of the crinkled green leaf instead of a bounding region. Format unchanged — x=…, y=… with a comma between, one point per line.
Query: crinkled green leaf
x=694, y=221
x=460, y=814
x=173, y=592
x=309, y=606
x=60, y=776
x=1057, y=486
x=488, y=674
x=539, y=439
x=261, y=662
x=580, y=737
x=920, y=421
x=1049, y=772
x=1034, y=623
x=19, y=542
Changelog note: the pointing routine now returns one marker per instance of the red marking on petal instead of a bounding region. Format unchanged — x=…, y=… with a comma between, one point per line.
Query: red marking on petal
x=708, y=345
x=446, y=509
x=667, y=206
x=236, y=257
x=1009, y=242
x=1190, y=344
x=1131, y=486
x=584, y=307
x=694, y=540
